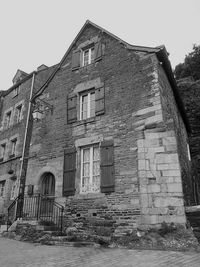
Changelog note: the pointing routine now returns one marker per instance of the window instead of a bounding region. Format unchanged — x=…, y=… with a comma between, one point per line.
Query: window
x=13, y=190
x=91, y=104
x=87, y=105
x=13, y=148
x=88, y=56
x=2, y=152
x=2, y=187
x=16, y=91
x=8, y=119
x=19, y=113
x=90, y=169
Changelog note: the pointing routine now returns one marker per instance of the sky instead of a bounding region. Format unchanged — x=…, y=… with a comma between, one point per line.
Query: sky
x=35, y=32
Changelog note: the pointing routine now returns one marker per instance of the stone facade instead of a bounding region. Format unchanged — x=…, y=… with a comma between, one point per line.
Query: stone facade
x=140, y=117
x=16, y=102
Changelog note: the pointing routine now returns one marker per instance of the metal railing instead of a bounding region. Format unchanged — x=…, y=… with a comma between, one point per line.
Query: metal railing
x=36, y=207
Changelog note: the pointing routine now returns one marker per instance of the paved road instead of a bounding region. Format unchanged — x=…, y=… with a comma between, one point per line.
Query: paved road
x=19, y=254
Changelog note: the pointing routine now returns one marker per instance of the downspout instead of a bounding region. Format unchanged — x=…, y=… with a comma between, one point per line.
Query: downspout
x=22, y=175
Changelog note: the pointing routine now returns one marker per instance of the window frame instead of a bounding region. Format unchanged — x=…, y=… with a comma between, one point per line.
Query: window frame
x=91, y=55
x=91, y=171
x=13, y=147
x=16, y=91
x=87, y=93
x=8, y=116
x=13, y=190
x=3, y=146
x=2, y=188
x=19, y=113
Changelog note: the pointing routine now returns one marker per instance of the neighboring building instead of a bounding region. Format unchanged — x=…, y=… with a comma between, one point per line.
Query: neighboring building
x=15, y=132
x=114, y=147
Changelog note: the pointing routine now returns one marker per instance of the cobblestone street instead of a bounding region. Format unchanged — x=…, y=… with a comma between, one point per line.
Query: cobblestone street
x=18, y=254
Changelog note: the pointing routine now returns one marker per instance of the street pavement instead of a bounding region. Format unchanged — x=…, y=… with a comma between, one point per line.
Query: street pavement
x=20, y=254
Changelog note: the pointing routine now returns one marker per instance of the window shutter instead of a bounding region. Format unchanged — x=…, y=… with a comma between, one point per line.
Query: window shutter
x=71, y=108
x=99, y=101
x=107, y=167
x=98, y=51
x=69, y=172
x=76, y=60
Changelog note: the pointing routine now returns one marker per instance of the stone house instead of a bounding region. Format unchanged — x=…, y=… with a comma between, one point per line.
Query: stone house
x=15, y=131
x=114, y=145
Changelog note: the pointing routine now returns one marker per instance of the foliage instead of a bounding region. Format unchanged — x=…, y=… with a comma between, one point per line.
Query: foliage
x=190, y=66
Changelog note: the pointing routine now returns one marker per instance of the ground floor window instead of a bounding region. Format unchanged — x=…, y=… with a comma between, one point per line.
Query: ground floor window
x=2, y=188
x=90, y=169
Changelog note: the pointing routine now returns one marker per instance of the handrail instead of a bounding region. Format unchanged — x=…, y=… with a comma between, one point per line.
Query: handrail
x=37, y=207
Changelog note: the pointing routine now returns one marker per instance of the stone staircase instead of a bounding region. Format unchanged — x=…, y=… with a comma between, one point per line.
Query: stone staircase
x=37, y=232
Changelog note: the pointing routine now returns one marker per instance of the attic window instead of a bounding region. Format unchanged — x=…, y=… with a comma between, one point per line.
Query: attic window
x=16, y=91
x=88, y=56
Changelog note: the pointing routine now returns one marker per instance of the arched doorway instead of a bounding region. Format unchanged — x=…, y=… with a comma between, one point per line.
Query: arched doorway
x=48, y=193
x=48, y=184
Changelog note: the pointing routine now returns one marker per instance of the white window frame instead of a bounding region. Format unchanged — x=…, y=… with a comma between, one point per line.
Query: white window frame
x=88, y=94
x=90, y=60
x=19, y=113
x=2, y=188
x=91, y=188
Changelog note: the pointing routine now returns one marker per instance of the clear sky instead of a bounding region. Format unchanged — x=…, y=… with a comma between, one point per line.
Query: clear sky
x=35, y=32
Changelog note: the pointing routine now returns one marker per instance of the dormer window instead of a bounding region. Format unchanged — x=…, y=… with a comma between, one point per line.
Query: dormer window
x=16, y=91
x=88, y=56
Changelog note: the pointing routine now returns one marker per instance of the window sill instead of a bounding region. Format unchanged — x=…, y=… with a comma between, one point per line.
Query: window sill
x=9, y=159
x=89, y=195
x=89, y=120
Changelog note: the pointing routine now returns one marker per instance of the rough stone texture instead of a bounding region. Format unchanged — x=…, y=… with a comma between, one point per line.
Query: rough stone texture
x=190, y=94
x=9, y=102
x=138, y=104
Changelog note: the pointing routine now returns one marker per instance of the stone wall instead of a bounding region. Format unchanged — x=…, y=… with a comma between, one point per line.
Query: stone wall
x=190, y=94
x=9, y=102
x=148, y=186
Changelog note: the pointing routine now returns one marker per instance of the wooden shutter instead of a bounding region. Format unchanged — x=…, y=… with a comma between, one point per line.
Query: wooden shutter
x=107, y=166
x=99, y=101
x=97, y=51
x=76, y=60
x=71, y=108
x=69, y=172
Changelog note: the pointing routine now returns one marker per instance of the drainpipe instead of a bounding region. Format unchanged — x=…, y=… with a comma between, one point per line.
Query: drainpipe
x=24, y=160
